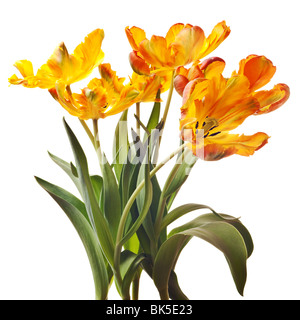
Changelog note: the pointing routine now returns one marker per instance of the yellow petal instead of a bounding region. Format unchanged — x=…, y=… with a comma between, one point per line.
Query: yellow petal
x=212, y=67
x=26, y=69
x=135, y=36
x=70, y=68
x=219, y=33
x=187, y=45
x=89, y=54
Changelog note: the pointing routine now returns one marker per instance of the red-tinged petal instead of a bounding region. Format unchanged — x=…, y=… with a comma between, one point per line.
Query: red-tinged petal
x=195, y=72
x=138, y=65
x=258, y=69
x=111, y=78
x=60, y=94
x=174, y=30
x=194, y=90
x=180, y=82
x=271, y=100
x=212, y=67
x=135, y=36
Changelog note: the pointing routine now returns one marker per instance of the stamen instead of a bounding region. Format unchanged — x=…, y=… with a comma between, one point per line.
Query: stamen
x=214, y=134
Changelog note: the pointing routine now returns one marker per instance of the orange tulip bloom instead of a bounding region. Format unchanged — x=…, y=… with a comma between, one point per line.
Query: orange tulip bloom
x=213, y=107
x=106, y=96
x=182, y=45
x=259, y=70
x=62, y=66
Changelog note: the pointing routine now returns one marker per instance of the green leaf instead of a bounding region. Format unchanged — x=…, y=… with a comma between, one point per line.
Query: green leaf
x=97, y=183
x=69, y=170
x=121, y=144
x=86, y=234
x=96, y=217
x=147, y=199
x=182, y=210
x=219, y=232
x=65, y=195
x=132, y=268
x=155, y=115
x=110, y=197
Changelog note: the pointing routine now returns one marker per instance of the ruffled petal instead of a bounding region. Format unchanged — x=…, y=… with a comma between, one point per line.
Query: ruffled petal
x=26, y=69
x=271, y=100
x=224, y=145
x=219, y=33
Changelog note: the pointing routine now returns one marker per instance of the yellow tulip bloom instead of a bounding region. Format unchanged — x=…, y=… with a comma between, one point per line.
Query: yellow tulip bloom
x=215, y=105
x=182, y=45
x=107, y=96
x=63, y=67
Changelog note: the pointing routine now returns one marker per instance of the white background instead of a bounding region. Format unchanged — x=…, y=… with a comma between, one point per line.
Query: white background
x=41, y=256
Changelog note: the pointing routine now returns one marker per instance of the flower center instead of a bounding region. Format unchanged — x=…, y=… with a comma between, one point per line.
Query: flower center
x=208, y=125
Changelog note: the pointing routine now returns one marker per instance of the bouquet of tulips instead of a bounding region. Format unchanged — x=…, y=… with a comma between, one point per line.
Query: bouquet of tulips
x=124, y=214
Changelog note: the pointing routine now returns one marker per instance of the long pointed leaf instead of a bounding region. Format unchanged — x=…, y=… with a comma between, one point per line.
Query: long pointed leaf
x=111, y=197
x=121, y=144
x=67, y=167
x=88, y=238
x=96, y=217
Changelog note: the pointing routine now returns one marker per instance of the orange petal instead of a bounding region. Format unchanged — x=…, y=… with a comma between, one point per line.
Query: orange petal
x=135, y=36
x=138, y=65
x=60, y=94
x=180, y=82
x=127, y=99
x=174, y=30
x=111, y=78
x=155, y=52
x=271, y=100
x=224, y=145
x=258, y=69
x=219, y=33
x=187, y=45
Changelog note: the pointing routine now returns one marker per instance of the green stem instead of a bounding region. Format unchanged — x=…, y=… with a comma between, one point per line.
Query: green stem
x=126, y=211
x=88, y=131
x=137, y=112
x=97, y=141
x=167, y=107
x=163, y=198
x=136, y=285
